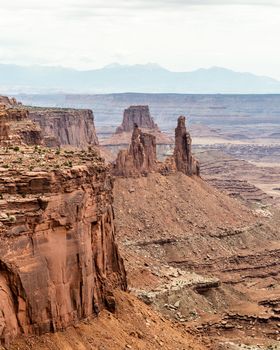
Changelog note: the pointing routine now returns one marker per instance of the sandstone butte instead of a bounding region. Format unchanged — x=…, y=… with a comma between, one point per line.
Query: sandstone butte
x=59, y=262
x=140, y=116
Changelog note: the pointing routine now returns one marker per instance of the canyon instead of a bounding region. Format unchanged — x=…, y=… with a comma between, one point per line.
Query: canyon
x=238, y=127
x=142, y=252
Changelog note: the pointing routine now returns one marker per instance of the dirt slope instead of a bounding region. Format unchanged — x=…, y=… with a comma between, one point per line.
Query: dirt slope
x=134, y=326
x=194, y=253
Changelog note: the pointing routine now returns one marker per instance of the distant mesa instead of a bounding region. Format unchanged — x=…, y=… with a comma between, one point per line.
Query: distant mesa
x=139, y=115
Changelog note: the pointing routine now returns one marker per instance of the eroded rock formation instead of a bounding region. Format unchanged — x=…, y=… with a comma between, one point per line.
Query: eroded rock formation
x=58, y=258
x=8, y=102
x=66, y=127
x=139, y=115
x=16, y=127
x=140, y=158
x=185, y=162
x=59, y=262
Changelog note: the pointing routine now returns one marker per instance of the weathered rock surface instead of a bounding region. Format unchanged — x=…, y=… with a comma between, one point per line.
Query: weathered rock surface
x=58, y=258
x=66, y=127
x=223, y=172
x=8, y=102
x=140, y=158
x=16, y=127
x=139, y=115
x=185, y=162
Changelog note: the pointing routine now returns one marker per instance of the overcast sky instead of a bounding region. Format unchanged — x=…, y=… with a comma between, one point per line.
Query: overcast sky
x=180, y=35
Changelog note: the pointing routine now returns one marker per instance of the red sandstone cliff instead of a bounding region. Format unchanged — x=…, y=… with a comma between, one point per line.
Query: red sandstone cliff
x=66, y=127
x=16, y=127
x=58, y=258
x=59, y=262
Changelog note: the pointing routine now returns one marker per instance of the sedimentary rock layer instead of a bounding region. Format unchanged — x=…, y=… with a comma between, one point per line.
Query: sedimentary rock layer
x=17, y=128
x=58, y=258
x=66, y=127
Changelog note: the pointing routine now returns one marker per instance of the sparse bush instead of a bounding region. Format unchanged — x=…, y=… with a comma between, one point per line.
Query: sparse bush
x=12, y=218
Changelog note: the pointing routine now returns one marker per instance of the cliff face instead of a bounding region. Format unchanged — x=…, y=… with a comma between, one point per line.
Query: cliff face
x=8, y=102
x=140, y=158
x=139, y=115
x=185, y=162
x=16, y=127
x=66, y=127
x=58, y=258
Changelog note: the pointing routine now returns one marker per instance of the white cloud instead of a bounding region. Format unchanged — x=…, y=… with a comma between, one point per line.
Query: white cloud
x=179, y=34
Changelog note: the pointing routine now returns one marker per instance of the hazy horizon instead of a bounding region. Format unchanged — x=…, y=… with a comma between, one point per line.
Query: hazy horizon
x=179, y=35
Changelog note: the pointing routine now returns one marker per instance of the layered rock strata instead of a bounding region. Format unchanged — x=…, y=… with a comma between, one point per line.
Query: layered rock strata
x=66, y=127
x=59, y=261
x=140, y=158
x=8, y=102
x=17, y=128
x=139, y=115
x=185, y=162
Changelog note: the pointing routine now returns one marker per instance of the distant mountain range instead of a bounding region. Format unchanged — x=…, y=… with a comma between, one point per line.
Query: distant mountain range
x=150, y=78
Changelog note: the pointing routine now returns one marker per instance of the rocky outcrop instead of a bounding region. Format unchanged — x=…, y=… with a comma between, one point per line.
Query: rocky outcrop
x=8, y=102
x=140, y=158
x=66, y=127
x=139, y=115
x=185, y=162
x=17, y=128
x=58, y=258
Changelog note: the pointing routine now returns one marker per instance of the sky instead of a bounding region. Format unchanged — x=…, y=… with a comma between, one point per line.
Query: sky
x=180, y=35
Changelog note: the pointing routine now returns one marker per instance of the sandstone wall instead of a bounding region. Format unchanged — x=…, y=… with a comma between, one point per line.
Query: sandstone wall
x=69, y=127
x=58, y=258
